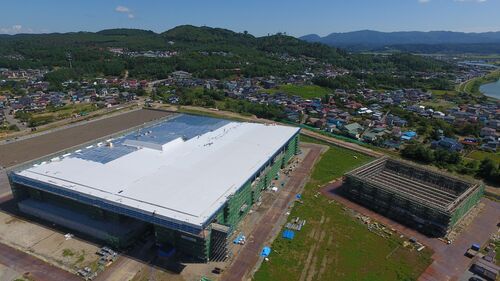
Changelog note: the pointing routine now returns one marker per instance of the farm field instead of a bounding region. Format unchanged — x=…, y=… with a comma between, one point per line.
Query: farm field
x=333, y=245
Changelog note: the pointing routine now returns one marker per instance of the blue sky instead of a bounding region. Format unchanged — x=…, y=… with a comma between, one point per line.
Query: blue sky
x=259, y=17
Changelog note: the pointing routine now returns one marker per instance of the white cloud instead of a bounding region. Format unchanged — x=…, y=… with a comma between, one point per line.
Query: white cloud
x=17, y=28
x=122, y=9
x=125, y=10
x=423, y=1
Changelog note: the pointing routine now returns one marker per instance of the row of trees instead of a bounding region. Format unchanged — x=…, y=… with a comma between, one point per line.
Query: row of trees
x=487, y=169
x=383, y=80
x=216, y=98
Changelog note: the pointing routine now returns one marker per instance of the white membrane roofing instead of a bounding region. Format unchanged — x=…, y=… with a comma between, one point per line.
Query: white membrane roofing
x=185, y=180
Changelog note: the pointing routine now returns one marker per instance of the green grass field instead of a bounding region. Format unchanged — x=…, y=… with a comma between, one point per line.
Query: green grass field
x=480, y=155
x=59, y=113
x=305, y=91
x=440, y=93
x=333, y=245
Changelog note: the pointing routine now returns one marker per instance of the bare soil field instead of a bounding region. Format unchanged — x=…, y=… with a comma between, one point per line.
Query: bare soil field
x=32, y=148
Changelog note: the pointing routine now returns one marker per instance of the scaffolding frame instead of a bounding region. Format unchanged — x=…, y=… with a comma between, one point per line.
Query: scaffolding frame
x=428, y=200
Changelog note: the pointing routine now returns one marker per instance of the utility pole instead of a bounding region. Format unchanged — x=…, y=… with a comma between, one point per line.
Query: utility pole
x=70, y=59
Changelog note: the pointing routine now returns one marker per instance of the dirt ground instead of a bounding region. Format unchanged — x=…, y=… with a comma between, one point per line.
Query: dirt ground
x=46, y=244
x=32, y=148
x=4, y=184
x=248, y=257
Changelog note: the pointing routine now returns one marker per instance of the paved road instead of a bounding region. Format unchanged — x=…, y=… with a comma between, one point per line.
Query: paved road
x=29, y=149
x=39, y=270
x=249, y=256
x=13, y=121
x=341, y=143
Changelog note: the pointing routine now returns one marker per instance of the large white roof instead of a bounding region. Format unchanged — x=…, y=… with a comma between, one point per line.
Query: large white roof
x=185, y=180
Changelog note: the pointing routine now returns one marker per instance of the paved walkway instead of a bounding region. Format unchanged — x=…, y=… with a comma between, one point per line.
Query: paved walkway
x=38, y=270
x=248, y=257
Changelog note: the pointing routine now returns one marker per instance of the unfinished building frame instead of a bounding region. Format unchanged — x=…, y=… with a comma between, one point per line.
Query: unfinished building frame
x=429, y=201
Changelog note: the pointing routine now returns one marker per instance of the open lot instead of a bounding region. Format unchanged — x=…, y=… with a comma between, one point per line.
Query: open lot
x=480, y=155
x=333, y=245
x=45, y=243
x=13, y=262
x=32, y=148
x=448, y=261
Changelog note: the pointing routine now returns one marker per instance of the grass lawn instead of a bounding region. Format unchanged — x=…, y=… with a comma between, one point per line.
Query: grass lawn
x=333, y=245
x=439, y=104
x=440, y=93
x=305, y=91
x=480, y=155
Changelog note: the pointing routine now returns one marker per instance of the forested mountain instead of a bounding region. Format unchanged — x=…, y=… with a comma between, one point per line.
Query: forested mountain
x=414, y=41
x=204, y=51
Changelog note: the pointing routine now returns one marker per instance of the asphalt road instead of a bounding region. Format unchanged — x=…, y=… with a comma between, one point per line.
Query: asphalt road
x=21, y=151
x=38, y=270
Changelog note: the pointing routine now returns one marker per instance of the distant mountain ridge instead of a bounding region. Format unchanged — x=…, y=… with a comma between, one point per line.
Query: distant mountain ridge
x=376, y=40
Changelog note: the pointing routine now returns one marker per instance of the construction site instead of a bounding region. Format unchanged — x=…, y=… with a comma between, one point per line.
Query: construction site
x=426, y=200
x=164, y=178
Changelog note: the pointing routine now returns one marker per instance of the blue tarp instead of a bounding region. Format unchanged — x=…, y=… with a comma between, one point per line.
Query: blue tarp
x=298, y=196
x=238, y=239
x=265, y=252
x=288, y=234
x=408, y=135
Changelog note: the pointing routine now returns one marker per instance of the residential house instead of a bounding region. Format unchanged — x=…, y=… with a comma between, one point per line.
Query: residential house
x=449, y=144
